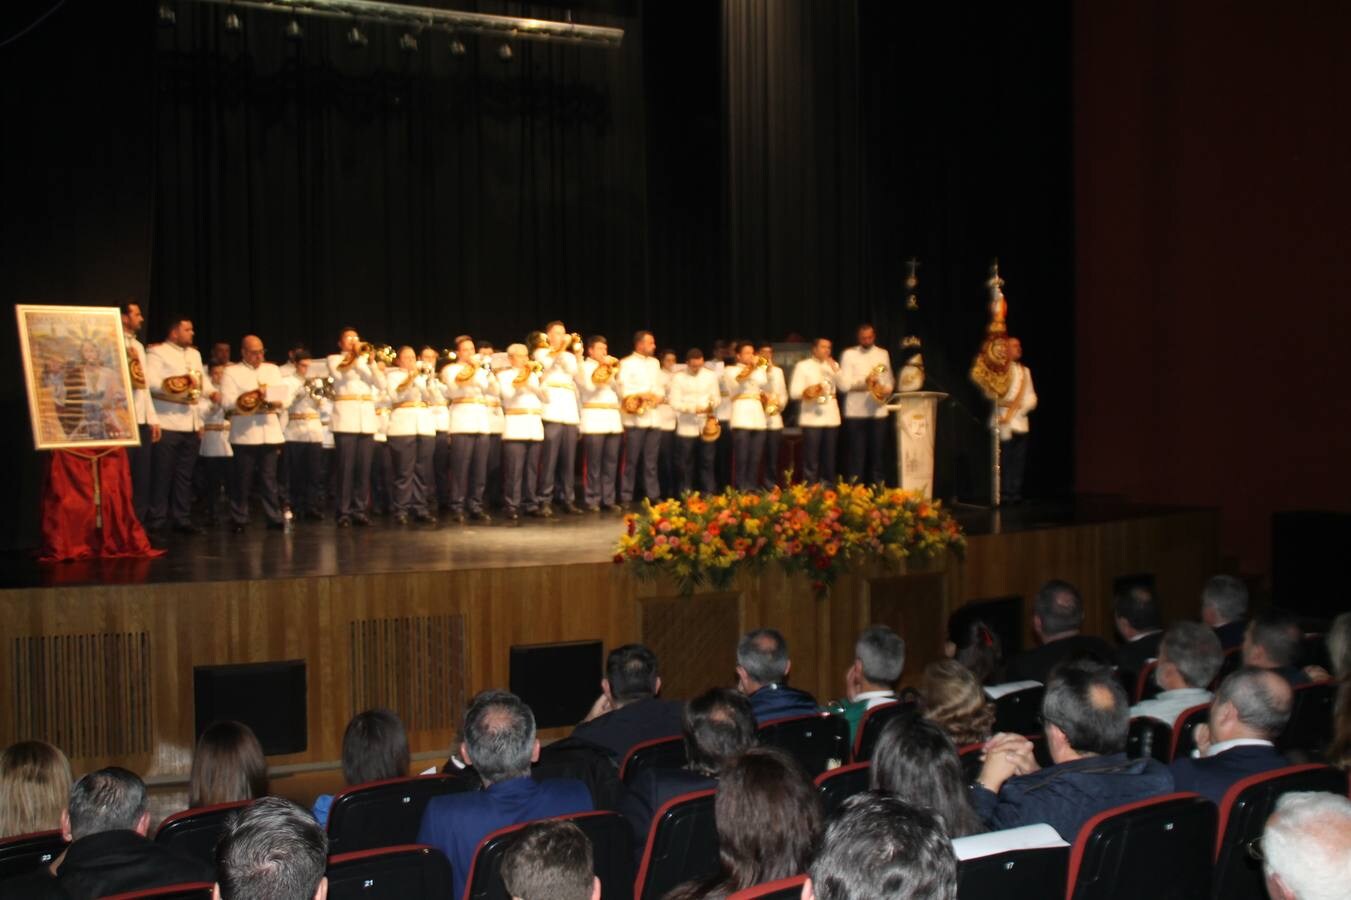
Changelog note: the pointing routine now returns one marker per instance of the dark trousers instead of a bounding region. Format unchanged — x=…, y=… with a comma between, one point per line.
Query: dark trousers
x=867, y=439
x=602, y=465
x=440, y=470
x=424, y=481
x=382, y=477
x=668, y=468
x=354, y=453
x=493, y=472
x=558, y=462
x=773, y=437
x=641, y=446
x=255, y=461
x=520, y=474
x=218, y=474
x=140, y=459
x=696, y=458
x=722, y=468
x=748, y=448
x=171, y=497
x=403, y=451
x=468, y=471
x=1012, y=463
x=818, y=453
x=305, y=474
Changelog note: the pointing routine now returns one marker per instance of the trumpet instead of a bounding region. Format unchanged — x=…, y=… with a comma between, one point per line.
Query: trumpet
x=195, y=392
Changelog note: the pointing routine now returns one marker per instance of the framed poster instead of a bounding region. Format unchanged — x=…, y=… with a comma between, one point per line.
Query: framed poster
x=75, y=368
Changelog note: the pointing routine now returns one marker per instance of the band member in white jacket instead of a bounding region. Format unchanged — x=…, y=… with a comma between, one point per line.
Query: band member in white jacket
x=602, y=430
x=746, y=382
x=869, y=380
x=562, y=418
x=695, y=396
x=174, y=375
x=304, y=433
x=438, y=488
x=668, y=477
x=1012, y=409
x=640, y=391
x=147, y=423
x=469, y=386
x=255, y=432
x=776, y=398
x=523, y=400
x=357, y=381
x=815, y=384
x=411, y=450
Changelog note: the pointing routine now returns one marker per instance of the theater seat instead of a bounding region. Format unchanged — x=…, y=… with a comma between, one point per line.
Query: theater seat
x=1020, y=711
x=192, y=890
x=838, y=785
x=25, y=852
x=1145, y=687
x=660, y=753
x=611, y=853
x=194, y=832
x=1038, y=872
x=1243, y=816
x=783, y=889
x=1149, y=738
x=682, y=845
x=1184, y=737
x=407, y=872
x=816, y=741
x=972, y=757
x=871, y=725
x=1160, y=849
x=384, y=813
x=1309, y=730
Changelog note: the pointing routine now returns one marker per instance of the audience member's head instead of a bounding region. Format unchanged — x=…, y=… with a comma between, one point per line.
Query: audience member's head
x=550, y=860
x=227, y=766
x=1224, y=599
x=111, y=799
x=1057, y=611
x=1251, y=703
x=917, y=762
x=1085, y=711
x=1136, y=611
x=1339, y=647
x=881, y=848
x=879, y=658
x=761, y=659
x=499, y=737
x=1190, y=656
x=973, y=643
x=630, y=675
x=34, y=788
x=955, y=702
x=272, y=850
x=718, y=726
x=1272, y=641
x=1306, y=847
x=374, y=747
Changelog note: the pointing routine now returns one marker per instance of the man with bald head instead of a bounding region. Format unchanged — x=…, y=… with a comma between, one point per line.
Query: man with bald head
x=1086, y=717
x=1248, y=713
x=255, y=431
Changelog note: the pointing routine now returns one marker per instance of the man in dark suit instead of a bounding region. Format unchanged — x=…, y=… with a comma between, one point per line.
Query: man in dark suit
x=1274, y=641
x=106, y=823
x=499, y=741
x=628, y=710
x=272, y=849
x=1224, y=607
x=1057, y=616
x=718, y=727
x=1136, y=612
x=1249, y=711
x=762, y=667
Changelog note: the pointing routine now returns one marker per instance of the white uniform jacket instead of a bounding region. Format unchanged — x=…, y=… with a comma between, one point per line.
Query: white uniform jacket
x=1023, y=399
x=140, y=388
x=778, y=390
x=823, y=412
x=407, y=402
x=640, y=375
x=691, y=397
x=246, y=429
x=522, y=406
x=746, y=409
x=355, y=389
x=856, y=364
x=469, y=413
x=560, y=381
x=304, y=416
x=600, y=403
x=175, y=410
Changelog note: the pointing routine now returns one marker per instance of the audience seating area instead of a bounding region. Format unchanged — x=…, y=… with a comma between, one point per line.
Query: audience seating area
x=381, y=813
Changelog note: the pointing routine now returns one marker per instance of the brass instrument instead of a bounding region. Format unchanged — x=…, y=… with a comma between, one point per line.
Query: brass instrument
x=712, y=429
x=384, y=354
x=425, y=368
x=195, y=392
x=747, y=371
x=466, y=373
x=319, y=388
x=523, y=375
x=604, y=371
x=575, y=343
x=635, y=404
x=537, y=340
x=815, y=392
x=769, y=403
x=875, y=387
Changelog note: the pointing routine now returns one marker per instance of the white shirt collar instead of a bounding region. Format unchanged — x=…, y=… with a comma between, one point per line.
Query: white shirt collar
x=873, y=695
x=1141, y=635
x=1217, y=749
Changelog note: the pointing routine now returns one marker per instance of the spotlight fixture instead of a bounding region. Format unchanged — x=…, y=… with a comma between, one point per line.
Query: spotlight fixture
x=293, y=31
x=504, y=52
x=408, y=43
x=456, y=47
x=167, y=16
x=356, y=37
x=233, y=24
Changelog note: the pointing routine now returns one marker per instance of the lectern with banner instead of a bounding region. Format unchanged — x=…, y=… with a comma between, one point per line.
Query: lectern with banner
x=916, y=421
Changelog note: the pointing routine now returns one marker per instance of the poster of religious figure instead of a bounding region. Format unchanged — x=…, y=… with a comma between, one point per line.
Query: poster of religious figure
x=79, y=386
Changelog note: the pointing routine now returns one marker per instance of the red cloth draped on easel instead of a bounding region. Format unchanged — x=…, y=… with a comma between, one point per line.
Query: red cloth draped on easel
x=87, y=509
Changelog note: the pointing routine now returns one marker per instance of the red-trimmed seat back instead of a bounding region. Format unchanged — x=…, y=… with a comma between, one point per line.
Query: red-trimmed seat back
x=1184, y=731
x=660, y=753
x=871, y=725
x=384, y=813
x=25, y=852
x=682, y=845
x=1036, y=872
x=1145, y=687
x=194, y=832
x=838, y=785
x=1243, y=816
x=1020, y=711
x=406, y=872
x=816, y=741
x=1149, y=738
x=611, y=855
x=971, y=756
x=783, y=889
x=1159, y=848
x=1309, y=730
x=190, y=890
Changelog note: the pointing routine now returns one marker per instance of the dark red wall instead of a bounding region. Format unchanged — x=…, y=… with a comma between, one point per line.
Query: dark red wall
x=1213, y=206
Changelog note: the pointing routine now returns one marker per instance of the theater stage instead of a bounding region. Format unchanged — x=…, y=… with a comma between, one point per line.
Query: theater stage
x=99, y=657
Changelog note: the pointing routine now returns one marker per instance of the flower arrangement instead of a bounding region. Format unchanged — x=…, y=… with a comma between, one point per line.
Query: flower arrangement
x=818, y=530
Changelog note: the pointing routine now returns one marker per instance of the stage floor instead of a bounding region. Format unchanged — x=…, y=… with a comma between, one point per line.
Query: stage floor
x=320, y=549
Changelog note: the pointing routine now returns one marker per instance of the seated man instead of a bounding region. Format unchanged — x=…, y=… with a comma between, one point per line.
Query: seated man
x=1136, y=613
x=1273, y=641
x=1057, y=616
x=109, y=853
x=550, y=861
x=879, y=658
x=1250, y=710
x=1086, y=717
x=718, y=727
x=274, y=849
x=762, y=667
x=499, y=742
x=879, y=846
x=1189, y=659
x=1224, y=607
x=1306, y=847
x=628, y=710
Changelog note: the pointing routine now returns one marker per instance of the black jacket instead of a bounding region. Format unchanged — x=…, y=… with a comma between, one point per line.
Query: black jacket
x=111, y=862
x=642, y=720
x=1036, y=664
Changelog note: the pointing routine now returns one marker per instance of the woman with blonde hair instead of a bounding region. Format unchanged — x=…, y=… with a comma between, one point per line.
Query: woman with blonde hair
x=228, y=766
x=954, y=701
x=34, y=788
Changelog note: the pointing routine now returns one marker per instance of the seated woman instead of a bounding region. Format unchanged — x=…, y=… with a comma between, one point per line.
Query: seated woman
x=953, y=700
x=227, y=766
x=34, y=788
x=769, y=822
x=917, y=762
x=974, y=644
x=374, y=747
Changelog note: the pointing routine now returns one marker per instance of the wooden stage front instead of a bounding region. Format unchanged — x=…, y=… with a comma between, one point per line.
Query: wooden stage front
x=99, y=658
